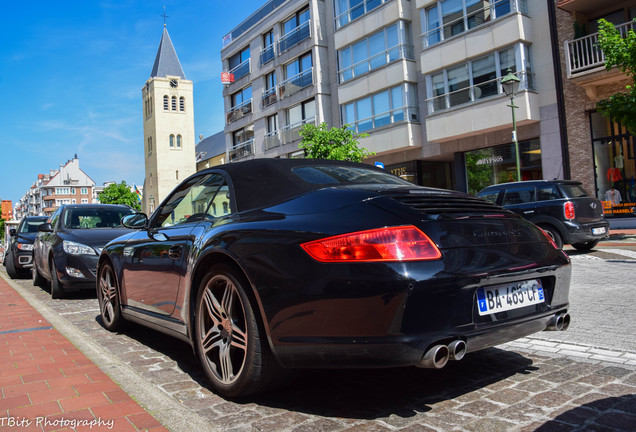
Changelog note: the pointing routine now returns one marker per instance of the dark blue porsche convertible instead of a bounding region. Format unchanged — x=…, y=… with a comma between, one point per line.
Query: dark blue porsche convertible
x=272, y=264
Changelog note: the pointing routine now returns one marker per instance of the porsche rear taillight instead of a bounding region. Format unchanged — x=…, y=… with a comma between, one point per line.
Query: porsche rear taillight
x=569, y=210
x=403, y=243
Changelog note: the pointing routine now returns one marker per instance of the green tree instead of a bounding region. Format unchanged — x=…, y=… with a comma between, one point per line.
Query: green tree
x=119, y=193
x=320, y=142
x=1, y=229
x=620, y=51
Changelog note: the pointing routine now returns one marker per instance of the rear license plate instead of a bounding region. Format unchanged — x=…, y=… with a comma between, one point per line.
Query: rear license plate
x=507, y=297
x=598, y=231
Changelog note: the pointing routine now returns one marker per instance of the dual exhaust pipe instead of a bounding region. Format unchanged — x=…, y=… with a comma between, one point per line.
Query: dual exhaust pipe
x=559, y=322
x=437, y=356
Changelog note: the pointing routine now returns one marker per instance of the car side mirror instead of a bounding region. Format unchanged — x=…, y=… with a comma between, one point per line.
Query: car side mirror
x=45, y=227
x=12, y=232
x=135, y=221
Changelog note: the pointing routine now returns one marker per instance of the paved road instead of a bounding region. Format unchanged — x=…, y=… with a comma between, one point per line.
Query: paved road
x=582, y=379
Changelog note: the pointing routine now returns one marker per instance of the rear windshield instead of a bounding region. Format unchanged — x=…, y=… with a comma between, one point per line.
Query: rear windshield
x=574, y=191
x=31, y=225
x=326, y=174
x=86, y=218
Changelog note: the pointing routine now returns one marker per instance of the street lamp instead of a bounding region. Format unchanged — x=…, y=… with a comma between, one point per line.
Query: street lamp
x=510, y=84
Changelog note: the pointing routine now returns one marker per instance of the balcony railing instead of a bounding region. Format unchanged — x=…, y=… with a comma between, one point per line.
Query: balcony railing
x=296, y=83
x=402, y=114
x=270, y=96
x=389, y=55
x=584, y=54
x=242, y=150
x=272, y=140
x=267, y=54
x=241, y=70
x=476, y=92
x=294, y=37
x=290, y=134
x=239, y=111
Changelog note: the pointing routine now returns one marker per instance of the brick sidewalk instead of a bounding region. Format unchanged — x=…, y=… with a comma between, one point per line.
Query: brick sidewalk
x=48, y=384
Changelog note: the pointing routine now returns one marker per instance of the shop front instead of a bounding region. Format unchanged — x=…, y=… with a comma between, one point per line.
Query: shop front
x=614, y=167
x=494, y=165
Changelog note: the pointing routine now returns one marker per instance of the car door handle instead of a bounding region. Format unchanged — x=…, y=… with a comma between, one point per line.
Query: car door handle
x=175, y=252
x=528, y=212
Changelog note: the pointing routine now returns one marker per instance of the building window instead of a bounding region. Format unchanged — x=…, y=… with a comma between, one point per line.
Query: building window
x=174, y=103
x=241, y=104
x=166, y=103
x=298, y=75
x=271, y=137
x=349, y=10
x=267, y=53
x=84, y=201
x=390, y=106
x=149, y=145
x=171, y=141
x=84, y=191
x=478, y=78
x=239, y=63
x=269, y=94
x=295, y=30
x=242, y=143
x=387, y=45
x=182, y=104
x=178, y=141
x=296, y=117
x=447, y=18
x=176, y=175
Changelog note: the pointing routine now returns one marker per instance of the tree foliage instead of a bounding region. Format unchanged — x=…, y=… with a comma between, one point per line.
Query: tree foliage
x=620, y=52
x=320, y=142
x=1, y=229
x=119, y=193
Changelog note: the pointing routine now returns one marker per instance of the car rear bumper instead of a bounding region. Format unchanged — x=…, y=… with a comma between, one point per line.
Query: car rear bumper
x=581, y=233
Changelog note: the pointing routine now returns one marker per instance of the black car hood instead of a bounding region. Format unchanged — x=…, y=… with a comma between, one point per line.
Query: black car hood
x=94, y=237
x=26, y=237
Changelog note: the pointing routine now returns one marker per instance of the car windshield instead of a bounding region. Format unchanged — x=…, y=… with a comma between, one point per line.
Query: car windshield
x=327, y=174
x=31, y=225
x=86, y=218
x=574, y=191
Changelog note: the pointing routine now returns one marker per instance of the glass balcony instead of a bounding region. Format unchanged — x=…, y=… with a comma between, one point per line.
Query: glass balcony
x=241, y=69
x=267, y=54
x=269, y=97
x=239, y=111
x=242, y=150
x=296, y=83
x=294, y=37
x=290, y=134
x=272, y=140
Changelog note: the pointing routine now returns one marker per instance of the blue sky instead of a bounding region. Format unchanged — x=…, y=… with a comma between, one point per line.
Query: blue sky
x=71, y=74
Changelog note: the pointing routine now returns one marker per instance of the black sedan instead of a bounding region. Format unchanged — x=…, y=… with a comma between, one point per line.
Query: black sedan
x=271, y=264
x=18, y=258
x=66, y=249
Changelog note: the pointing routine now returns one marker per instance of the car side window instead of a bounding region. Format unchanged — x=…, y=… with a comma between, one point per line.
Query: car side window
x=54, y=217
x=546, y=193
x=518, y=196
x=200, y=197
x=490, y=196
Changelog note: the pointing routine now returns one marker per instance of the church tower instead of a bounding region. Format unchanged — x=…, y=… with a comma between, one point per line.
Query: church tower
x=169, y=141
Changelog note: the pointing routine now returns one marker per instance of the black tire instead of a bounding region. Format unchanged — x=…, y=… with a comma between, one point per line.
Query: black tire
x=10, y=265
x=231, y=347
x=585, y=246
x=554, y=233
x=108, y=297
x=57, y=289
x=38, y=279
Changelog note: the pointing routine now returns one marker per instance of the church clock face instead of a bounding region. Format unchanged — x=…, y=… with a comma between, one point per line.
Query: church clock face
x=174, y=83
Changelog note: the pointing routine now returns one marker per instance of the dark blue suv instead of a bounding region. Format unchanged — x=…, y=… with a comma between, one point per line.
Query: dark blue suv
x=562, y=208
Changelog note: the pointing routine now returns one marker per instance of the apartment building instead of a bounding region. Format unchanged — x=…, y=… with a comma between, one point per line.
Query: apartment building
x=601, y=152
x=66, y=185
x=421, y=77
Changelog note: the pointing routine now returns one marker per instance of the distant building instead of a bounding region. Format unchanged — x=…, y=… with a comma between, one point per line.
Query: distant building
x=169, y=141
x=66, y=185
x=7, y=210
x=211, y=151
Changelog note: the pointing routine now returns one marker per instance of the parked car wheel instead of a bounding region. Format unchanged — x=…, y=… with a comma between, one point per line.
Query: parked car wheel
x=9, y=264
x=231, y=347
x=108, y=298
x=585, y=246
x=57, y=289
x=554, y=234
x=38, y=279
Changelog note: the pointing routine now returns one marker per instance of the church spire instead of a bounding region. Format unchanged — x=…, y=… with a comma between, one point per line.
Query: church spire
x=166, y=62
